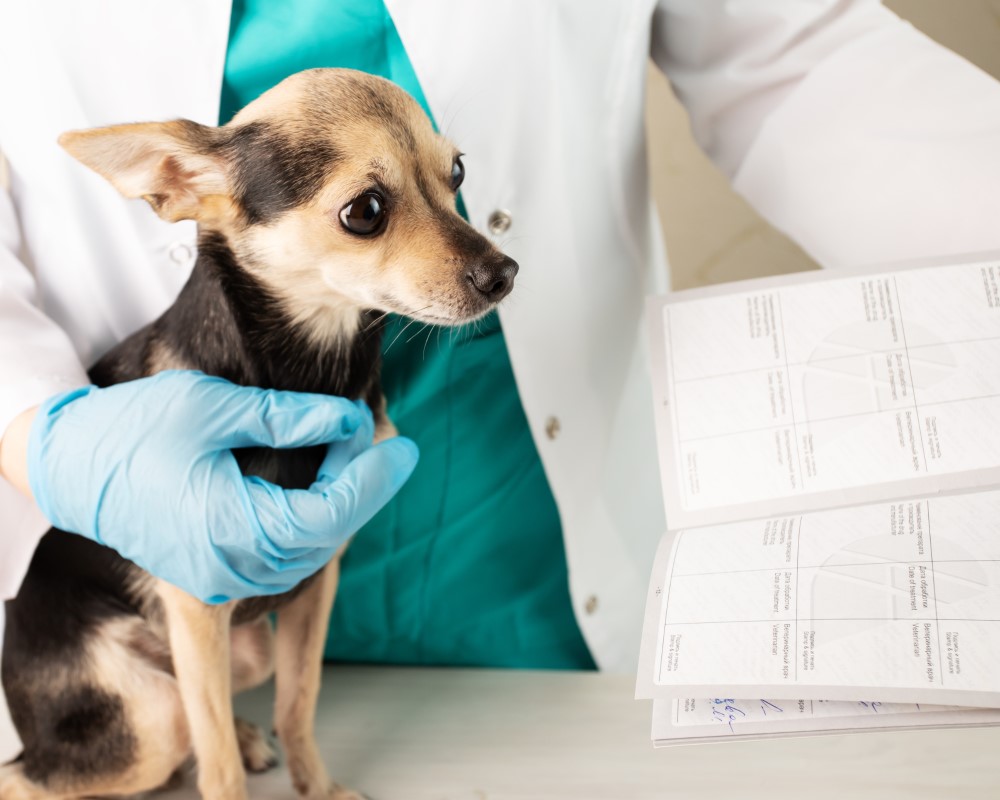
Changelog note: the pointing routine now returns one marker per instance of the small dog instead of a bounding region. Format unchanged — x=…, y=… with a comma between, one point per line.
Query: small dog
x=325, y=204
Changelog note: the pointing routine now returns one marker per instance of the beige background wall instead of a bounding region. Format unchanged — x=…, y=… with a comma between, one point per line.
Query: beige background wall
x=712, y=235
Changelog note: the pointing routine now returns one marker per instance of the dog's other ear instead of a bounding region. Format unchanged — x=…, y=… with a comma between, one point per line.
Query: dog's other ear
x=174, y=166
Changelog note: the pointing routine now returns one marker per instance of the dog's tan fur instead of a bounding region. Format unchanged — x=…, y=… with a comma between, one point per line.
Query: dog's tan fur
x=302, y=626
x=176, y=672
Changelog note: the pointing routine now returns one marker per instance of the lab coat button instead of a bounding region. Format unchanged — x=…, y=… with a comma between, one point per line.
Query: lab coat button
x=552, y=427
x=499, y=221
x=591, y=605
x=181, y=252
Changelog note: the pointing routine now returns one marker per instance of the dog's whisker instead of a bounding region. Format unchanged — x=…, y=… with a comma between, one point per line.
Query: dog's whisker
x=394, y=338
x=451, y=113
x=375, y=321
x=372, y=329
x=430, y=332
x=407, y=325
x=425, y=324
x=506, y=240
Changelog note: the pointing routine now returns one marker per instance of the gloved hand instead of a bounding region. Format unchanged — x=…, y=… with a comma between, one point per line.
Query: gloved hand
x=146, y=468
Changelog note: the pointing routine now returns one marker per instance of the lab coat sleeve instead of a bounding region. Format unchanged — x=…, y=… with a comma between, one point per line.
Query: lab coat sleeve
x=845, y=127
x=36, y=361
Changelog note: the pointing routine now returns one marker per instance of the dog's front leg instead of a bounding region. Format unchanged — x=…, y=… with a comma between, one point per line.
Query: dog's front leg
x=199, y=642
x=302, y=626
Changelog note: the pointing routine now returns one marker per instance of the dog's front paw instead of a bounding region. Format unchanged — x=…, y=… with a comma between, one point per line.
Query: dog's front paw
x=258, y=754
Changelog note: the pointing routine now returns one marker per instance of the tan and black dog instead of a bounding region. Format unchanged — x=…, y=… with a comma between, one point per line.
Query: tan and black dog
x=322, y=206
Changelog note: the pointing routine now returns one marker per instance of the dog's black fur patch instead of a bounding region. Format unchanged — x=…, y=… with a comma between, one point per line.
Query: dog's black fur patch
x=272, y=172
x=70, y=729
x=88, y=736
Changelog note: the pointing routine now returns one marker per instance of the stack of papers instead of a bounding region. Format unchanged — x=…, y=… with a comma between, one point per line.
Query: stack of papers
x=830, y=455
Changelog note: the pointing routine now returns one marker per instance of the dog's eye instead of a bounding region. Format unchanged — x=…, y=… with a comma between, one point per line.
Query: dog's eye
x=365, y=215
x=457, y=173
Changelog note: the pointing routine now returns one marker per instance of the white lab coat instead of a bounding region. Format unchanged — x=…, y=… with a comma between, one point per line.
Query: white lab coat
x=845, y=127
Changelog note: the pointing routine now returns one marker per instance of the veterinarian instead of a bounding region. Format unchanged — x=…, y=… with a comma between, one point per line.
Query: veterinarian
x=525, y=535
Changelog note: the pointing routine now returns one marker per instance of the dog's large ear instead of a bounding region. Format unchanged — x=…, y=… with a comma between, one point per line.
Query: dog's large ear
x=174, y=166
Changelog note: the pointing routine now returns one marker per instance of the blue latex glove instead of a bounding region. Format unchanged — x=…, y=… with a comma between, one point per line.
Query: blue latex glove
x=146, y=468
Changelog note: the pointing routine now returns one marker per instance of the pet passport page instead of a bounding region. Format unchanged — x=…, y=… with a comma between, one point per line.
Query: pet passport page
x=719, y=719
x=828, y=388
x=898, y=601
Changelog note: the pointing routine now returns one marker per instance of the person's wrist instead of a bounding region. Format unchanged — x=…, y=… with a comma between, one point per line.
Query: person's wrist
x=14, y=451
x=42, y=465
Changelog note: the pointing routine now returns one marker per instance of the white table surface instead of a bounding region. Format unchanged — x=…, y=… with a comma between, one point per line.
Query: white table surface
x=436, y=734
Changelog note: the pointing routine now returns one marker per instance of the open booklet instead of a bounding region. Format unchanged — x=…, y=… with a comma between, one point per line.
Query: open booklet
x=830, y=454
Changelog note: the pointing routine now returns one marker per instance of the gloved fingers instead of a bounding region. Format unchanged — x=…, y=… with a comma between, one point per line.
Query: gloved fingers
x=270, y=550
x=340, y=454
x=211, y=573
x=243, y=575
x=247, y=417
x=254, y=574
x=331, y=511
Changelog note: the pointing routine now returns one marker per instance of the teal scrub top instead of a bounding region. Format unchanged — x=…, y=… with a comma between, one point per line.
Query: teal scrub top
x=466, y=565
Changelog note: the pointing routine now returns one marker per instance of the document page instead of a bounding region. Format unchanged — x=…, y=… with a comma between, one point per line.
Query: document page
x=827, y=388
x=720, y=719
x=898, y=600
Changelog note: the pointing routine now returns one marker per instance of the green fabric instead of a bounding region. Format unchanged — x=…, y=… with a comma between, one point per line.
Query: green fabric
x=466, y=566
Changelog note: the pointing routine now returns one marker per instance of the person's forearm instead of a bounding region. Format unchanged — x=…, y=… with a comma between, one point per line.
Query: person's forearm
x=14, y=451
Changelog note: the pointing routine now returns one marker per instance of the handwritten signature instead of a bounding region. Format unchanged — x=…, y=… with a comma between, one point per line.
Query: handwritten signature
x=726, y=711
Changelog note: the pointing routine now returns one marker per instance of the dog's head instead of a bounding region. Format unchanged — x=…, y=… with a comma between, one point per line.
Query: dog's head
x=332, y=189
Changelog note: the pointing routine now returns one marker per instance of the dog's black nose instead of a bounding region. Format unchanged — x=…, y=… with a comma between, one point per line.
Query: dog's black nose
x=493, y=280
